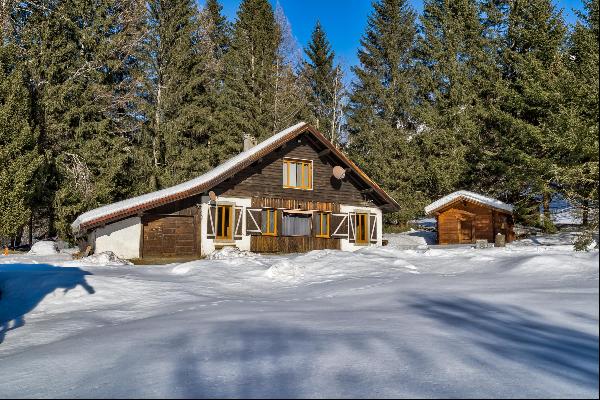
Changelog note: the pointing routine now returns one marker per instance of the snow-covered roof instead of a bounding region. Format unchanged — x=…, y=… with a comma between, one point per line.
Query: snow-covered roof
x=470, y=196
x=203, y=182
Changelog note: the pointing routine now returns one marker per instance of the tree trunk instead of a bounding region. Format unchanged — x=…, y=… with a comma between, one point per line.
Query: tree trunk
x=546, y=199
x=31, y=230
x=157, y=129
x=18, y=237
x=585, y=217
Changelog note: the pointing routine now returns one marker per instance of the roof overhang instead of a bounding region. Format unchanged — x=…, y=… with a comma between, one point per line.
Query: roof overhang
x=85, y=224
x=469, y=197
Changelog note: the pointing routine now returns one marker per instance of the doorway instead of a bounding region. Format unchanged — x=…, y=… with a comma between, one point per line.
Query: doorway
x=465, y=230
x=362, y=228
x=224, y=222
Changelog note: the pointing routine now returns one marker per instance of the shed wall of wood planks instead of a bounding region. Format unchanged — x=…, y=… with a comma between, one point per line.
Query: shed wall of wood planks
x=466, y=222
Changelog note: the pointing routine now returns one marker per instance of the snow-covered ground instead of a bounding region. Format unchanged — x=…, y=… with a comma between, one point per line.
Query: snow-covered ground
x=520, y=321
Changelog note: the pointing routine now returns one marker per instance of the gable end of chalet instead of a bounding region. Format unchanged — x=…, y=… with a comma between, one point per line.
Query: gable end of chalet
x=236, y=167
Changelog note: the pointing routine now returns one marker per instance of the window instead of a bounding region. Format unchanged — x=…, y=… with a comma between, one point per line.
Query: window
x=297, y=174
x=269, y=222
x=296, y=224
x=224, y=218
x=322, y=228
x=362, y=229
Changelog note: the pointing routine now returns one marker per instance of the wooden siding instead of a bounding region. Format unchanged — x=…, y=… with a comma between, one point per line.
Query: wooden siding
x=291, y=244
x=265, y=178
x=292, y=204
x=174, y=246
x=465, y=222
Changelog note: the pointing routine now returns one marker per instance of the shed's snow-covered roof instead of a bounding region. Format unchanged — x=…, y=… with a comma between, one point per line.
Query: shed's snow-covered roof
x=206, y=181
x=465, y=194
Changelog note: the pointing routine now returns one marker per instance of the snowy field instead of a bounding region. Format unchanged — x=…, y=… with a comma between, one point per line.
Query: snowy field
x=521, y=321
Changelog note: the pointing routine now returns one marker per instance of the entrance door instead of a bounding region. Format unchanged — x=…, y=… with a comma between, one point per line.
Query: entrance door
x=225, y=222
x=362, y=228
x=466, y=230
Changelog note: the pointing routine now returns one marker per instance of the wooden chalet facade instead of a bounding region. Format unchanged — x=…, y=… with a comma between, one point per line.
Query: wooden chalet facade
x=279, y=196
x=464, y=217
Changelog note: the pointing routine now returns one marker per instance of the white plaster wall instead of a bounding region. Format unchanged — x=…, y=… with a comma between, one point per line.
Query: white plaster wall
x=208, y=245
x=345, y=243
x=122, y=238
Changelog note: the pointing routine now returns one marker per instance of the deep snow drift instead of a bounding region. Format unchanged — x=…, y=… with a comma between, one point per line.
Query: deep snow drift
x=43, y=248
x=521, y=321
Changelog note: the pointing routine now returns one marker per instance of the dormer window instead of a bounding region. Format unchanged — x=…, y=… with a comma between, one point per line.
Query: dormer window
x=297, y=174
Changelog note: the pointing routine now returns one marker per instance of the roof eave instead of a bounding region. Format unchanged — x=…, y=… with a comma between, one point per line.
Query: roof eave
x=390, y=204
x=434, y=211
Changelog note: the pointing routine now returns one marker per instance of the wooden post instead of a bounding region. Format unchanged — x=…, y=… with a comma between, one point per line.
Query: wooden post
x=494, y=224
x=141, y=237
x=198, y=230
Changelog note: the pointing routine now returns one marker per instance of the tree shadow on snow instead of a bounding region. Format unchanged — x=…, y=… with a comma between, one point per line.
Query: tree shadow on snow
x=24, y=286
x=429, y=237
x=260, y=359
x=519, y=335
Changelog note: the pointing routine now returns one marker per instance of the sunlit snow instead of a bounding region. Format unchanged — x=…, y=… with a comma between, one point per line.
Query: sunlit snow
x=520, y=321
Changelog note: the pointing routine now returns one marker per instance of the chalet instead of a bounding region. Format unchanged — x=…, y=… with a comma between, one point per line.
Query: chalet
x=293, y=192
x=464, y=217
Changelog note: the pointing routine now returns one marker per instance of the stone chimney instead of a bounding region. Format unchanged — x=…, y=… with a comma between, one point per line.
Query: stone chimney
x=249, y=141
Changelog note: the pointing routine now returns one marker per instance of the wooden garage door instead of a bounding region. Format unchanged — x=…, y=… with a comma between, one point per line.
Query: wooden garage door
x=169, y=236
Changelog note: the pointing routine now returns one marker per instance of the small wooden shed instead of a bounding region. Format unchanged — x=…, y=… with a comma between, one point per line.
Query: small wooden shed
x=464, y=217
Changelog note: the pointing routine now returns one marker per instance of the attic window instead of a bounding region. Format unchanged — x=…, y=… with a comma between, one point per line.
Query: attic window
x=297, y=174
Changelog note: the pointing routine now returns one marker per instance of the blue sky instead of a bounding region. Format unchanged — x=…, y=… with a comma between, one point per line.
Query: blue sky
x=344, y=20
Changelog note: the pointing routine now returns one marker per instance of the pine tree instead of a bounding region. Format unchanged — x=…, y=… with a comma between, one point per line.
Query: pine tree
x=381, y=123
x=214, y=42
x=451, y=54
x=181, y=76
x=19, y=156
x=217, y=28
x=485, y=173
x=577, y=175
x=250, y=76
x=81, y=89
x=325, y=83
x=533, y=69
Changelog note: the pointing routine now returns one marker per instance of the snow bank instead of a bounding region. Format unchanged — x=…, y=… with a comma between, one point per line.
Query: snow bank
x=104, y=258
x=321, y=266
x=412, y=238
x=43, y=248
x=286, y=270
x=227, y=253
x=559, y=265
